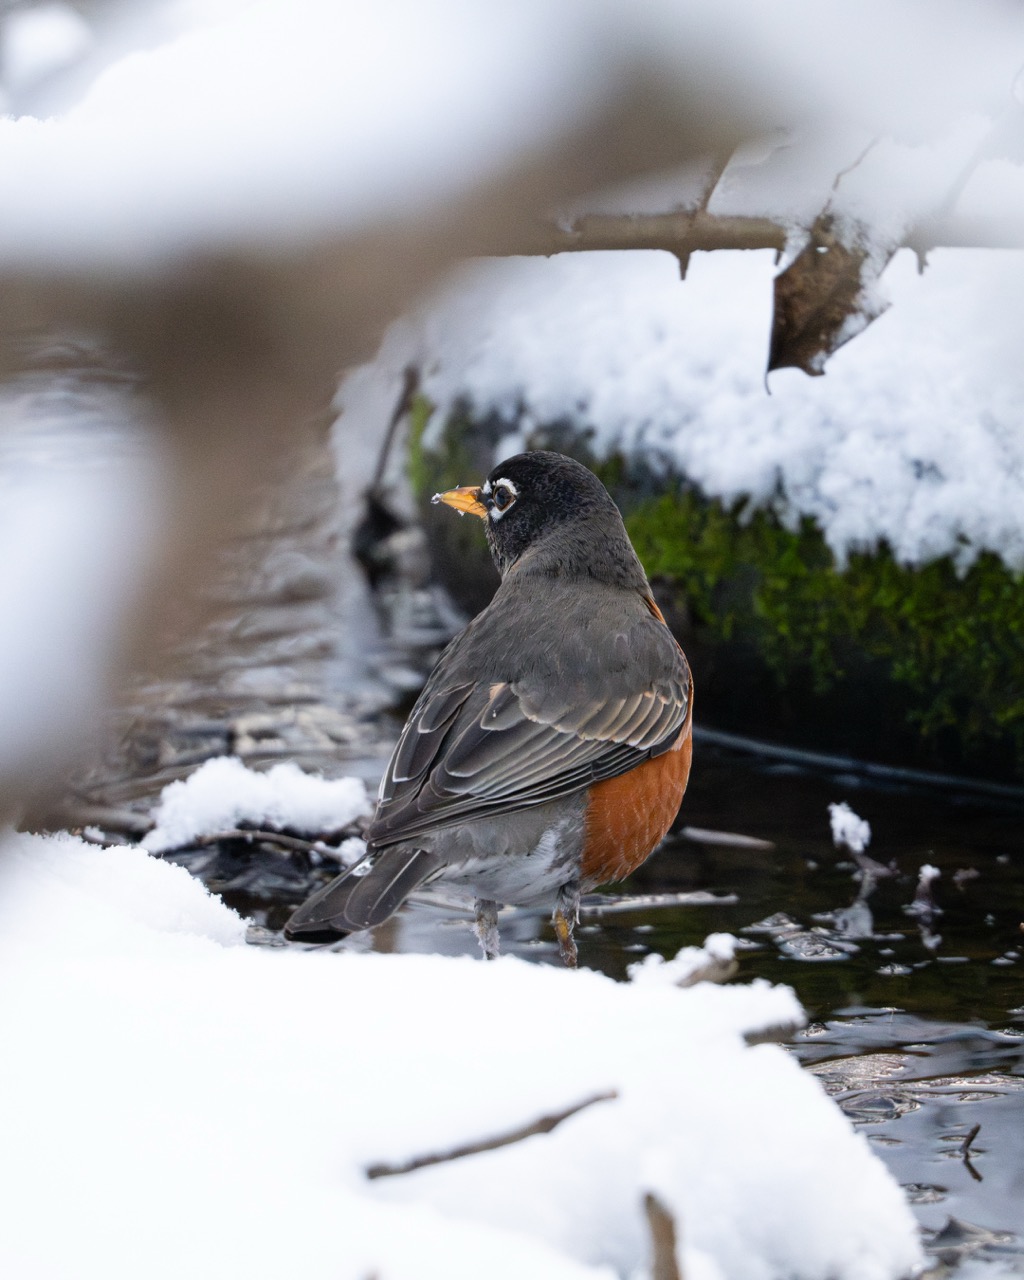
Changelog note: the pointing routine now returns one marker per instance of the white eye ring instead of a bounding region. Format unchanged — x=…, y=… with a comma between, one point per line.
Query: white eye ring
x=506, y=491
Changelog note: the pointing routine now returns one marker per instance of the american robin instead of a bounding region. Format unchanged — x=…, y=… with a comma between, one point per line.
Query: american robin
x=549, y=751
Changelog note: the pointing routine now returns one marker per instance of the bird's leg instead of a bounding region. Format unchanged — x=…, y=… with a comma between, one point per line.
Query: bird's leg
x=486, y=928
x=565, y=918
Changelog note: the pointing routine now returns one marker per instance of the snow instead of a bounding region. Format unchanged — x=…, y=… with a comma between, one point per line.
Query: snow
x=894, y=186
x=195, y=1106
x=108, y=903
x=687, y=965
x=877, y=188
x=848, y=830
x=247, y=120
x=905, y=70
x=792, y=173
x=912, y=437
x=993, y=194
x=39, y=41
x=222, y=793
x=173, y=125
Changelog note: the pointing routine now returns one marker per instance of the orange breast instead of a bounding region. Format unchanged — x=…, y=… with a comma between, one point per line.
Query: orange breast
x=628, y=815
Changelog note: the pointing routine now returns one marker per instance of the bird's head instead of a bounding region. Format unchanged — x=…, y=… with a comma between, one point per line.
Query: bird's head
x=554, y=508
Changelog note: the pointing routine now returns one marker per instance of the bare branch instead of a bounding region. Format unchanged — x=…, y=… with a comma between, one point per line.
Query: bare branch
x=543, y=1125
x=681, y=233
x=689, y=231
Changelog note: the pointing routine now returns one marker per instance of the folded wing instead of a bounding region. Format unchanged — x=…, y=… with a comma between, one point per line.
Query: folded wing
x=475, y=747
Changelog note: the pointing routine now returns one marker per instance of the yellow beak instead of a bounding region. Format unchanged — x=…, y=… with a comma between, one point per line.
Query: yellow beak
x=465, y=498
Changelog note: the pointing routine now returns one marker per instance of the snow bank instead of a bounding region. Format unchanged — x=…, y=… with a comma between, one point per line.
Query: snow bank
x=911, y=437
x=73, y=898
x=222, y=792
x=190, y=1106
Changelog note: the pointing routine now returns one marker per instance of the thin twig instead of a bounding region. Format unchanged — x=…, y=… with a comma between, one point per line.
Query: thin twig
x=238, y=833
x=719, y=162
x=708, y=835
x=109, y=818
x=544, y=1125
x=609, y=906
x=410, y=385
x=965, y=1152
x=266, y=837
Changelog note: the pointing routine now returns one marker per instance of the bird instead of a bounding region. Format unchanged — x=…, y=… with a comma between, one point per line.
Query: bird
x=550, y=748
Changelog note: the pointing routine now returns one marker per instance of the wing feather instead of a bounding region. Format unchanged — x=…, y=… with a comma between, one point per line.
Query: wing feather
x=490, y=735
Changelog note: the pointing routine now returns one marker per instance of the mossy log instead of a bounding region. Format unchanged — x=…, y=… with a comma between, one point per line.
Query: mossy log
x=906, y=665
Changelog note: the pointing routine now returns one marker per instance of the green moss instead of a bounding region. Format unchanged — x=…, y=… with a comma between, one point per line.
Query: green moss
x=447, y=462
x=420, y=472
x=460, y=453
x=954, y=644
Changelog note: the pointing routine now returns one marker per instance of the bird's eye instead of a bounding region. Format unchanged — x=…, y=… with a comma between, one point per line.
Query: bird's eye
x=504, y=495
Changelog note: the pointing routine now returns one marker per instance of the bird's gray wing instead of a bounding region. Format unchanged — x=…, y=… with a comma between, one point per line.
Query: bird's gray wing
x=473, y=747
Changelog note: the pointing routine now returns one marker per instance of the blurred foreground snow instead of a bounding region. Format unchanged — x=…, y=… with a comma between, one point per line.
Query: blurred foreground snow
x=81, y=514
x=143, y=130
x=243, y=122
x=191, y=1106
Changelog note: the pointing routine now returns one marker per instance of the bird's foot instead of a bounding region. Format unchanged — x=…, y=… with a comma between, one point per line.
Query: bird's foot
x=486, y=928
x=565, y=918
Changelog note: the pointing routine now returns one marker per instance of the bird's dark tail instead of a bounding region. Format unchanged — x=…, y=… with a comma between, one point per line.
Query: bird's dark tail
x=363, y=896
